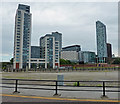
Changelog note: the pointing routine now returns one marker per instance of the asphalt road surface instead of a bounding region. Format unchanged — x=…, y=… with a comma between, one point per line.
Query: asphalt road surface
x=20, y=99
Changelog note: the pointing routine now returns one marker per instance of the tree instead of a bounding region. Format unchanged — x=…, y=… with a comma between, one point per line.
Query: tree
x=11, y=61
x=66, y=62
x=62, y=61
x=116, y=61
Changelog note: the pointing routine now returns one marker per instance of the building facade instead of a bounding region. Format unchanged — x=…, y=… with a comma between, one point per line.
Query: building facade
x=71, y=53
x=22, y=37
x=50, y=50
x=109, y=50
x=101, y=42
x=87, y=57
x=76, y=48
x=73, y=56
x=35, y=51
x=58, y=37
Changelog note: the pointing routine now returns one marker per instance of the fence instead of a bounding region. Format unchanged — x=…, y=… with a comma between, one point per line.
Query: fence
x=67, y=83
x=67, y=69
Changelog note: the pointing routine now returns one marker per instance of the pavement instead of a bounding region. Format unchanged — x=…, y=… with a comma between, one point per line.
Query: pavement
x=64, y=94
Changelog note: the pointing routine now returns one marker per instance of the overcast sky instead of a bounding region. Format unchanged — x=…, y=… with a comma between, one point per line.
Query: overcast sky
x=75, y=20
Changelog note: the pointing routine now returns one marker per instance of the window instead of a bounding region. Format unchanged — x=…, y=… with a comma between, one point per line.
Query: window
x=18, y=22
x=17, y=48
x=18, y=28
x=18, y=33
x=17, y=51
x=18, y=39
x=18, y=36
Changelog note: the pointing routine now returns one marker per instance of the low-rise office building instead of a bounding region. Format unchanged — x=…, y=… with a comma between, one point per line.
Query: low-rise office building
x=71, y=53
x=76, y=48
x=73, y=56
x=87, y=57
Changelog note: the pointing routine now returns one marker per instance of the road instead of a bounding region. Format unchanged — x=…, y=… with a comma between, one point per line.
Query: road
x=20, y=99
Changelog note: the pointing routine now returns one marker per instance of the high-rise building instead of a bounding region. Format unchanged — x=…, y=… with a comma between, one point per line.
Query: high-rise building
x=101, y=42
x=50, y=50
x=109, y=50
x=22, y=37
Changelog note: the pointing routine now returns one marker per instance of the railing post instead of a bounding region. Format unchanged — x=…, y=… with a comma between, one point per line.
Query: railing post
x=16, y=84
x=77, y=83
x=104, y=96
x=56, y=90
x=103, y=88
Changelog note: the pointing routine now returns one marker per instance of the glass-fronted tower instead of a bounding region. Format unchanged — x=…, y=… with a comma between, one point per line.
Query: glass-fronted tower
x=101, y=42
x=22, y=37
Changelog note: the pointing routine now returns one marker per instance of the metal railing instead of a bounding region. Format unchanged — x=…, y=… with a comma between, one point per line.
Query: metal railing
x=102, y=84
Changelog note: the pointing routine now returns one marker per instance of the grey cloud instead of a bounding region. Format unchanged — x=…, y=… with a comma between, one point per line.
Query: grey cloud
x=76, y=21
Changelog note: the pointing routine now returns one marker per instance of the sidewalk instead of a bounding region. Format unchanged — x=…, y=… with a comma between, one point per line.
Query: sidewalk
x=64, y=94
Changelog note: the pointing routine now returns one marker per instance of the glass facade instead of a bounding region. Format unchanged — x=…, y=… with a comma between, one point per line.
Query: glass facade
x=87, y=57
x=26, y=39
x=35, y=51
x=101, y=41
x=50, y=51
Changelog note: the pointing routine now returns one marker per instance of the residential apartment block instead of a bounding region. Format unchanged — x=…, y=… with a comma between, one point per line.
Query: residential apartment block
x=50, y=50
x=22, y=37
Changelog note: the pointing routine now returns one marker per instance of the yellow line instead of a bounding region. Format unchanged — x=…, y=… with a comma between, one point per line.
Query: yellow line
x=51, y=98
